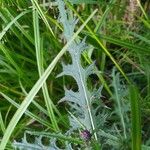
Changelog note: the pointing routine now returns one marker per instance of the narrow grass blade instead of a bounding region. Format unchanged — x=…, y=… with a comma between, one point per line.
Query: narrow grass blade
x=2, y=126
x=34, y=2
x=37, y=87
x=135, y=118
x=39, y=57
x=142, y=9
x=125, y=44
x=103, y=17
x=145, y=22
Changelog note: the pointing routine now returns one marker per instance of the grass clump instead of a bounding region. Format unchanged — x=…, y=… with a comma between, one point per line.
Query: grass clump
x=74, y=75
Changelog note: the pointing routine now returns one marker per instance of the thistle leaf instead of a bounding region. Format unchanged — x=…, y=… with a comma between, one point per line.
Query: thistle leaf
x=38, y=143
x=79, y=101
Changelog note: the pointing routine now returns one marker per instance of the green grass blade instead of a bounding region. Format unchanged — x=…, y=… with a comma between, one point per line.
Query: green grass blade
x=125, y=44
x=99, y=25
x=37, y=87
x=34, y=2
x=103, y=17
x=142, y=9
x=2, y=125
x=39, y=56
x=135, y=118
x=145, y=22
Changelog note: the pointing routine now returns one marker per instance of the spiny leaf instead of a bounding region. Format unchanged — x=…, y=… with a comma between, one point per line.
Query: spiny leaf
x=80, y=100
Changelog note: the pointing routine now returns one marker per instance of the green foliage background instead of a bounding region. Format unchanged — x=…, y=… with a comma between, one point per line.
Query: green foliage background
x=32, y=48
